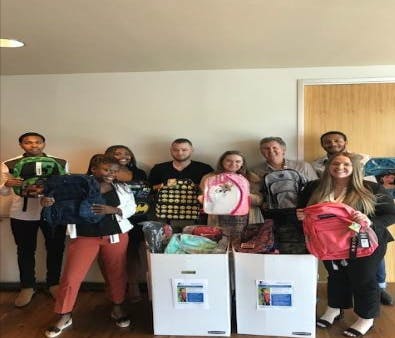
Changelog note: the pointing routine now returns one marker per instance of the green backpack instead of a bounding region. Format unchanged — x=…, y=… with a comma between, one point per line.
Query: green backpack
x=34, y=170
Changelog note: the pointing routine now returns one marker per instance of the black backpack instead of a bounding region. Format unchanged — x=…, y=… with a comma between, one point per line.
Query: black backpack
x=178, y=201
x=142, y=196
x=288, y=231
x=74, y=196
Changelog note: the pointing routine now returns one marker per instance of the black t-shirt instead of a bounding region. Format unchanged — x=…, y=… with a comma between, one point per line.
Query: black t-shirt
x=161, y=172
x=138, y=174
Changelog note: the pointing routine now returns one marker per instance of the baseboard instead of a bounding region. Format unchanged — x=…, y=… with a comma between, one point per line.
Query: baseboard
x=86, y=286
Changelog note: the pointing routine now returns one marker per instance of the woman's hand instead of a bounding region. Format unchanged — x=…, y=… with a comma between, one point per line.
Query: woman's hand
x=47, y=201
x=255, y=199
x=361, y=218
x=300, y=214
x=103, y=209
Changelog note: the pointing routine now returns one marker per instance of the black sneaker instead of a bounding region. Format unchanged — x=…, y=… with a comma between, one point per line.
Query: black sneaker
x=386, y=298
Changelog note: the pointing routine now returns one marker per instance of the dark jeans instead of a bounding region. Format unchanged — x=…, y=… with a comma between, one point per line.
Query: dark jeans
x=25, y=235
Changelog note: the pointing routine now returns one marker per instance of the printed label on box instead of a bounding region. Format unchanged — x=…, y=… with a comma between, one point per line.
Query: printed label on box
x=274, y=294
x=190, y=293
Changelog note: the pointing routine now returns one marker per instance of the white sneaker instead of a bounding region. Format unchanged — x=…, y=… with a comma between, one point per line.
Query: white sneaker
x=55, y=331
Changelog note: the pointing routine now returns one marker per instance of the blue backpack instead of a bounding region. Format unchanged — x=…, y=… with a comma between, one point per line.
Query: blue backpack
x=380, y=166
x=74, y=196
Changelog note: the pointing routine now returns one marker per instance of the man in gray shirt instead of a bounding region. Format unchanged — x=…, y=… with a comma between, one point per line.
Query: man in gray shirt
x=273, y=150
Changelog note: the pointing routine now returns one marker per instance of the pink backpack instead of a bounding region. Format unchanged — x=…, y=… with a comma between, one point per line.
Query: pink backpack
x=328, y=236
x=226, y=194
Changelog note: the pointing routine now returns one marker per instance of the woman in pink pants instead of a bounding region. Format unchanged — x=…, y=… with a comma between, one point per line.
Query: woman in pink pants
x=107, y=239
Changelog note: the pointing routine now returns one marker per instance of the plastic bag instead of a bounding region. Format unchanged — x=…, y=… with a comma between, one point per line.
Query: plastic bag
x=190, y=244
x=156, y=235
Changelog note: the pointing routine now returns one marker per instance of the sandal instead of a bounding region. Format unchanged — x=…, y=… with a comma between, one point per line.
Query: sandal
x=54, y=331
x=324, y=324
x=350, y=332
x=123, y=321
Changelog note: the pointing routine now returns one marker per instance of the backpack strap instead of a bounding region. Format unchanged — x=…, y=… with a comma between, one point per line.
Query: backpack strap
x=24, y=207
x=354, y=246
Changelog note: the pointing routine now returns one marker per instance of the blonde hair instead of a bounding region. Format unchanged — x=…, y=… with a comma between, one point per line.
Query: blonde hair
x=357, y=195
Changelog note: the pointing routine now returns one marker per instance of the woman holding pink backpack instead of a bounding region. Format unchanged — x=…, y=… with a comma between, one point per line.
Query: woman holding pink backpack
x=352, y=282
x=233, y=162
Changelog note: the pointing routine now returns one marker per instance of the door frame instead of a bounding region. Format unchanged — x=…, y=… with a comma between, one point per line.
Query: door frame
x=311, y=82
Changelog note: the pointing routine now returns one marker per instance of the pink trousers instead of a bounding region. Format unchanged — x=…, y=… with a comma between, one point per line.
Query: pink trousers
x=81, y=253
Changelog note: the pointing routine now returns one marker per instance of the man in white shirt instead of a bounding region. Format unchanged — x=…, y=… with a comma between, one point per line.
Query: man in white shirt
x=25, y=219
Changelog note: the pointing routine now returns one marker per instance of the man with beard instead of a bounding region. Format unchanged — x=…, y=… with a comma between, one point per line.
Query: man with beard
x=334, y=142
x=180, y=168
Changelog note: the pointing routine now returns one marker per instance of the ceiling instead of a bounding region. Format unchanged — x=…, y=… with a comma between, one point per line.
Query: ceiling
x=85, y=36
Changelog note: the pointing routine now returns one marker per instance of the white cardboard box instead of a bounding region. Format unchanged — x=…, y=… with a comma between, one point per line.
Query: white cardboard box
x=288, y=283
x=207, y=311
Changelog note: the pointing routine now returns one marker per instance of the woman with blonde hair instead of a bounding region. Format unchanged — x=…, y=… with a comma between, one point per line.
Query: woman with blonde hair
x=352, y=282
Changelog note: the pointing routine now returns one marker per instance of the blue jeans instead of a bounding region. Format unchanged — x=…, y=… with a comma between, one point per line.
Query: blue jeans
x=380, y=275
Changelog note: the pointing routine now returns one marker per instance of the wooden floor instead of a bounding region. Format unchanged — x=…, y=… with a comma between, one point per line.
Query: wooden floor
x=91, y=318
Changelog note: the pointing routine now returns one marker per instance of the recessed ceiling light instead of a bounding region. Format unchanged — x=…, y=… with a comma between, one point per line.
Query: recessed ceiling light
x=11, y=43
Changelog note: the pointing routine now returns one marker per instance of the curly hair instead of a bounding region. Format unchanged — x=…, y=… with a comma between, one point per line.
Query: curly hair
x=98, y=159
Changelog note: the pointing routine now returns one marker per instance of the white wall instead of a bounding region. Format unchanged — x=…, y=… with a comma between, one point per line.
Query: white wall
x=82, y=114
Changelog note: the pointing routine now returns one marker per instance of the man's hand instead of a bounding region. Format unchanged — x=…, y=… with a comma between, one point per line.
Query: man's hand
x=300, y=214
x=157, y=186
x=13, y=182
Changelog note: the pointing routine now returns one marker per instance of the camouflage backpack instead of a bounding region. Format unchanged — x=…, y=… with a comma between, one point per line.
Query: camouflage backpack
x=34, y=170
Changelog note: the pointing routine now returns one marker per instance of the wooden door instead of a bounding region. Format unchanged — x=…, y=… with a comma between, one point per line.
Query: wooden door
x=365, y=113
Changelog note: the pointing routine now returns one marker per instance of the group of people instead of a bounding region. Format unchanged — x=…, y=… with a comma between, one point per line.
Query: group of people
x=338, y=177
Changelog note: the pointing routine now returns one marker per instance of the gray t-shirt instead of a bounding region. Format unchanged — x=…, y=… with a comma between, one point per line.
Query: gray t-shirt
x=302, y=167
